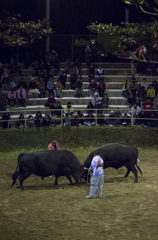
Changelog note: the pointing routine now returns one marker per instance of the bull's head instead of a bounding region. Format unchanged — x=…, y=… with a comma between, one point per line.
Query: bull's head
x=79, y=173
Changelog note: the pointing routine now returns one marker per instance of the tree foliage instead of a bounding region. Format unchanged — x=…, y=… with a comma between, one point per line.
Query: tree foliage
x=14, y=32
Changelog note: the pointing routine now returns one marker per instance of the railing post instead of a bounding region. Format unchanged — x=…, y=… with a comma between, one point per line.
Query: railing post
x=25, y=118
x=62, y=117
x=132, y=118
x=95, y=116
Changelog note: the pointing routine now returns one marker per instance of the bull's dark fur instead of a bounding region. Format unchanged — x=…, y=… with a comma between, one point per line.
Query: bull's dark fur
x=117, y=155
x=47, y=163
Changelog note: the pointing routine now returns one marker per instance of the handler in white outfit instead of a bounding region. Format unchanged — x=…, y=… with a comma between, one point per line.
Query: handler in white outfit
x=97, y=179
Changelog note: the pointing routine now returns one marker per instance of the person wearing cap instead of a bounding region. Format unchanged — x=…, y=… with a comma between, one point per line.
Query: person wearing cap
x=54, y=145
x=97, y=178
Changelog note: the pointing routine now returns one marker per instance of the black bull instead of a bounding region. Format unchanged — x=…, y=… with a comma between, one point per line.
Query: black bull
x=47, y=163
x=117, y=155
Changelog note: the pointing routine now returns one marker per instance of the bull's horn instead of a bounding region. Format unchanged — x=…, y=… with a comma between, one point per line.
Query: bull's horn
x=85, y=168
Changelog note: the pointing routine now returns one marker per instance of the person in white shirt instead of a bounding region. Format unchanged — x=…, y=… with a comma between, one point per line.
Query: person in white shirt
x=144, y=84
x=97, y=179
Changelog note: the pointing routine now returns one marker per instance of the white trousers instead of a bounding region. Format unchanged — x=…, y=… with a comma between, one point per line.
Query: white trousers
x=96, y=184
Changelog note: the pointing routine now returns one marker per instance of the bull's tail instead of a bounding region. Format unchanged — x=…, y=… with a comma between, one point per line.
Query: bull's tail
x=17, y=172
x=139, y=168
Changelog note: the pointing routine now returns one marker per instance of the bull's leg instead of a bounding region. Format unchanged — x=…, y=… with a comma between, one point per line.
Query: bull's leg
x=134, y=170
x=69, y=177
x=22, y=178
x=15, y=176
x=56, y=179
x=128, y=171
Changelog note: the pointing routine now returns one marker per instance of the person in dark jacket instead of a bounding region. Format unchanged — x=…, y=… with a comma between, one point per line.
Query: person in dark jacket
x=130, y=100
x=51, y=102
x=3, y=103
x=63, y=78
x=78, y=88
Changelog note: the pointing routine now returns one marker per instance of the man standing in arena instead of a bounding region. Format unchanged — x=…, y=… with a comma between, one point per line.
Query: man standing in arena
x=54, y=145
x=97, y=179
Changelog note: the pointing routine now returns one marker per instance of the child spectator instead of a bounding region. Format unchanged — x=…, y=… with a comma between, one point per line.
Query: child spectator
x=50, y=86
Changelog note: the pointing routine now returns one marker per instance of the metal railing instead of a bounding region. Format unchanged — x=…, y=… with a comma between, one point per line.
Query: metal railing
x=106, y=116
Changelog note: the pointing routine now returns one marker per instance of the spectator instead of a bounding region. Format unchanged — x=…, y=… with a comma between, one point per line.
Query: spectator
x=148, y=106
x=32, y=87
x=100, y=73
x=21, y=121
x=68, y=109
x=46, y=120
x=3, y=103
x=100, y=118
x=91, y=72
x=73, y=79
x=125, y=88
x=38, y=119
x=101, y=88
x=68, y=66
x=155, y=86
x=90, y=107
x=50, y=86
x=111, y=119
x=56, y=65
x=77, y=64
x=96, y=101
x=151, y=92
x=21, y=94
x=144, y=84
x=89, y=120
x=5, y=74
x=30, y=121
x=41, y=87
x=125, y=121
x=78, y=88
x=48, y=65
x=130, y=100
x=67, y=119
x=11, y=96
x=92, y=87
x=54, y=145
x=141, y=68
x=155, y=116
x=135, y=110
x=54, y=120
x=105, y=100
x=22, y=83
x=63, y=78
x=141, y=93
x=12, y=84
x=133, y=87
x=51, y=102
x=118, y=116
x=87, y=52
x=5, y=118
x=78, y=118
x=58, y=88
x=138, y=101
x=141, y=121
x=58, y=107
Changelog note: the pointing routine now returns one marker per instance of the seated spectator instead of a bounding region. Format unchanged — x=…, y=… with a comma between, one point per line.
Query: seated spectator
x=125, y=88
x=155, y=116
x=58, y=88
x=35, y=66
x=77, y=64
x=30, y=121
x=46, y=120
x=67, y=119
x=89, y=120
x=135, y=110
x=138, y=101
x=155, y=86
x=38, y=119
x=12, y=84
x=56, y=65
x=141, y=93
x=125, y=121
x=100, y=73
x=151, y=92
x=41, y=87
x=101, y=87
x=142, y=121
x=63, y=78
x=111, y=119
x=21, y=94
x=59, y=108
x=73, y=79
x=105, y=100
x=78, y=88
x=3, y=103
x=22, y=83
x=100, y=118
x=92, y=87
x=78, y=119
x=134, y=87
x=90, y=107
x=5, y=74
x=50, y=86
x=5, y=118
x=148, y=106
x=130, y=100
x=68, y=66
x=97, y=101
x=51, y=102
x=91, y=72
x=54, y=120
x=47, y=65
x=11, y=96
x=144, y=84
x=68, y=109
x=21, y=121
x=32, y=87
x=118, y=116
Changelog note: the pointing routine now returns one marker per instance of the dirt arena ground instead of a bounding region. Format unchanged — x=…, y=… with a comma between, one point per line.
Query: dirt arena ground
x=126, y=211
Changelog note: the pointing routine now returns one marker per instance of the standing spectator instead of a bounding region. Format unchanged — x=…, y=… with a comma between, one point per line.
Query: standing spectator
x=92, y=87
x=11, y=97
x=21, y=121
x=58, y=88
x=41, y=87
x=78, y=88
x=51, y=102
x=100, y=73
x=3, y=103
x=54, y=145
x=32, y=87
x=151, y=92
x=50, y=86
x=38, y=119
x=130, y=100
x=21, y=94
x=101, y=87
x=68, y=66
x=155, y=86
x=97, y=179
x=68, y=109
x=63, y=78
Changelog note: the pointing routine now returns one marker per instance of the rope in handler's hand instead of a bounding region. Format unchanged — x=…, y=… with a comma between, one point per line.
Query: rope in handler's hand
x=89, y=173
